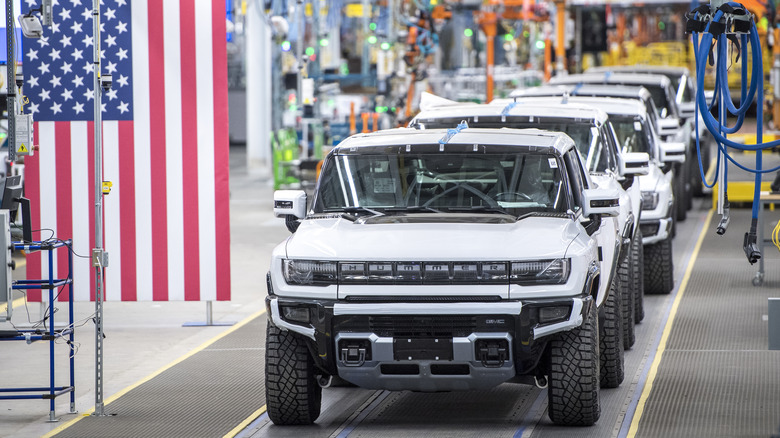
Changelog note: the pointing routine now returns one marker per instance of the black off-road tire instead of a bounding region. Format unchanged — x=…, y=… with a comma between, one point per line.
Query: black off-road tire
x=292, y=394
x=625, y=287
x=659, y=267
x=638, y=265
x=573, y=394
x=611, y=340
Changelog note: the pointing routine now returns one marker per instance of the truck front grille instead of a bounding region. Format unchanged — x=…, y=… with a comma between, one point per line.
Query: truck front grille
x=422, y=326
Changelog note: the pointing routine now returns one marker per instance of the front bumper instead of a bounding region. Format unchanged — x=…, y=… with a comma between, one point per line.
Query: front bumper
x=655, y=230
x=360, y=341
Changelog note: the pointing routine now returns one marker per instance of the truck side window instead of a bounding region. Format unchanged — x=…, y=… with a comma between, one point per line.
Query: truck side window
x=574, y=170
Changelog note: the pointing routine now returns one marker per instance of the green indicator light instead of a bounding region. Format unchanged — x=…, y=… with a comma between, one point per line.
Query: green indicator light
x=344, y=69
x=540, y=44
x=385, y=46
x=331, y=102
x=661, y=25
x=526, y=34
x=468, y=33
x=309, y=51
x=293, y=107
x=324, y=42
x=392, y=109
x=372, y=26
x=372, y=39
x=286, y=46
x=509, y=37
x=380, y=109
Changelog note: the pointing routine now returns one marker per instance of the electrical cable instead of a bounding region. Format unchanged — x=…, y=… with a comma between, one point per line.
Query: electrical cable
x=717, y=28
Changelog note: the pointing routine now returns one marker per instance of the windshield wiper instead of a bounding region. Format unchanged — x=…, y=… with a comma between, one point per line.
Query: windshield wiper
x=480, y=209
x=413, y=209
x=352, y=213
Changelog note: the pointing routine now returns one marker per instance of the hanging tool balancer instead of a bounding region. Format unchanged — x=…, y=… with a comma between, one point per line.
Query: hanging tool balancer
x=719, y=24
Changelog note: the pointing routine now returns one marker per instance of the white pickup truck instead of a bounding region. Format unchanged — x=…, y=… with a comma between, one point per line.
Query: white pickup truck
x=443, y=260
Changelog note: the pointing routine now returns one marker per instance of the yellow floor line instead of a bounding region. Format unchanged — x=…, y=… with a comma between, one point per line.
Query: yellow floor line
x=156, y=373
x=255, y=415
x=667, y=329
x=14, y=304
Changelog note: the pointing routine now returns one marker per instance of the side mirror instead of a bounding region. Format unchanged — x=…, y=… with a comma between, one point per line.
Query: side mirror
x=668, y=127
x=634, y=163
x=672, y=152
x=687, y=110
x=601, y=201
x=290, y=203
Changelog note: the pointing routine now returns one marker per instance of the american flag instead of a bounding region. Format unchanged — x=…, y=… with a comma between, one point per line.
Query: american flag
x=165, y=146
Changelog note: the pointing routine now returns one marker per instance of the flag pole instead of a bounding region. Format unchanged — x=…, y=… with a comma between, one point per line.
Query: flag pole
x=10, y=38
x=98, y=256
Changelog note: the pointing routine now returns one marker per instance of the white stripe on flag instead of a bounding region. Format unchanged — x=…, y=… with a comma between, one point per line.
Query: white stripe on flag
x=83, y=208
x=143, y=154
x=206, y=213
x=48, y=171
x=173, y=152
x=111, y=207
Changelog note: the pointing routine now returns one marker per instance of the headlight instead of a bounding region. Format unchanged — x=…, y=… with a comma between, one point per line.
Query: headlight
x=309, y=273
x=540, y=272
x=649, y=200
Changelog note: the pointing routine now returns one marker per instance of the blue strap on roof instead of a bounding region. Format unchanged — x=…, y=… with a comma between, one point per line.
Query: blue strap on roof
x=509, y=107
x=451, y=132
x=576, y=89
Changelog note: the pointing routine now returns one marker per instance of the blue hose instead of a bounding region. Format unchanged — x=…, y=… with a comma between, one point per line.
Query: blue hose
x=718, y=127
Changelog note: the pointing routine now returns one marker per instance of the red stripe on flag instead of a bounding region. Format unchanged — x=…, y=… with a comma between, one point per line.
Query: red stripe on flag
x=32, y=191
x=189, y=119
x=91, y=184
x=127, y=210
x=158, y=161
x=221, y=150
x=64, y=196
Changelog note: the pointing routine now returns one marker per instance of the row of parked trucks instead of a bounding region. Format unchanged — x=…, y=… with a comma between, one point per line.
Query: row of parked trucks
x=486, y=243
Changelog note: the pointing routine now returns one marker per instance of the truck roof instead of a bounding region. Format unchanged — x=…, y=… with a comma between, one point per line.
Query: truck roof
x=610, y=105
x=521, y=138
x=584, y=90
x=653, y=69
x=613, y=78
x=512, y=109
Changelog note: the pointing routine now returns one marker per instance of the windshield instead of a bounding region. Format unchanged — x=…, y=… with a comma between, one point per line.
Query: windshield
x=661, y=100
x=513, y=183
x=633, y=134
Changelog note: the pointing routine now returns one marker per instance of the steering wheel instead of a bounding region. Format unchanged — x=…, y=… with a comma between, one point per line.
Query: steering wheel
x=512, y=197
x=491, y=202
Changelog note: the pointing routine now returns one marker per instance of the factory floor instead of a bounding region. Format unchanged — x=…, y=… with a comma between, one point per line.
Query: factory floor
x=700, y=365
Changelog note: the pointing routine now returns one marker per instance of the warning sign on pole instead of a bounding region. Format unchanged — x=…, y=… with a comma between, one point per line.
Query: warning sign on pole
x=24, y=134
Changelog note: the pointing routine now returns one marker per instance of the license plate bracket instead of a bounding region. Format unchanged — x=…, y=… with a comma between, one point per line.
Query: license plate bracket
x=422, y=349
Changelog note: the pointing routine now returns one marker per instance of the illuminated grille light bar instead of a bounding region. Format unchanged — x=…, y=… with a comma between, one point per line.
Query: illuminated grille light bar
x=316, y=273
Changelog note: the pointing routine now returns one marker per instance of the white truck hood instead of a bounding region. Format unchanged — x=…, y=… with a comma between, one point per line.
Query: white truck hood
x=341, y=239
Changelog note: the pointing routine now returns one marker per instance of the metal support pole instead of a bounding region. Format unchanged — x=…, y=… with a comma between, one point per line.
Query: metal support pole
x=50, y=315
x=578, y=41
x=97, y=252
x=299, y=58
x=10, y=38
x=209, y=318
x=365, y=61
x=560, y=43
x=71, y=335
x=722, y=166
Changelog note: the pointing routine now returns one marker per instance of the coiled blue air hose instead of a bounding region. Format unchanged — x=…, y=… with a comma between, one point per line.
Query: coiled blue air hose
x=718, y=127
